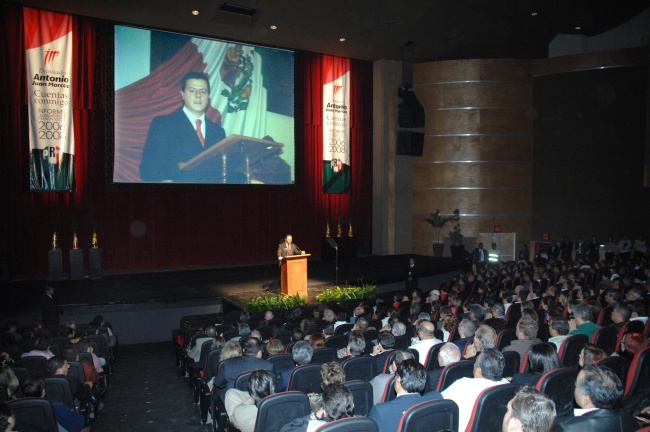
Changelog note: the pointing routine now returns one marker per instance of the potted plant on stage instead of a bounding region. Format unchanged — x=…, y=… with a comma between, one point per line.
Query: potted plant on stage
x=438, y=222
x=457, y=246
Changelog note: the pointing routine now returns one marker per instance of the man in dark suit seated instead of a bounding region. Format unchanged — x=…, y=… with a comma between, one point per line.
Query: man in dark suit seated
x=384, y=348
x=302, y=353
x=57, y=366
x=181, y=135
x=410, y=380
x=598, y=394
x=232, y=368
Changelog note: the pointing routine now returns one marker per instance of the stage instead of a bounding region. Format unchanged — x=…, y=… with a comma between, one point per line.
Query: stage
x=145, y=306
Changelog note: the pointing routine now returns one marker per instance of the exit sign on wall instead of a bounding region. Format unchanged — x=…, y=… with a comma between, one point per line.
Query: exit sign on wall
x=497, y=228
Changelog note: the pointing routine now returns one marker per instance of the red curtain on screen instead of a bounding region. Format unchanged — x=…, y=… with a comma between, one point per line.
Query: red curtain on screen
x=164, y=228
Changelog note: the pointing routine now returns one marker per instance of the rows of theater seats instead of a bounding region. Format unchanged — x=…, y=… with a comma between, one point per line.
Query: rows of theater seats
x=38, y=413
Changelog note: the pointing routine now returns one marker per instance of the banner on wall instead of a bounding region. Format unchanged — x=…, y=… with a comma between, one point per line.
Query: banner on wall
x=48, y=53
x=336, y=125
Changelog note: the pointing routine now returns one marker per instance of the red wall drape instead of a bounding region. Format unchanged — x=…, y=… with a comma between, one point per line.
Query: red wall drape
x=159, y=229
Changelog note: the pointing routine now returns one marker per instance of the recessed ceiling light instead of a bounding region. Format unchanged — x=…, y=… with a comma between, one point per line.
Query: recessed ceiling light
x=195, y=12
x=342, y=40
x=578, y=28
x=274, y=27
x=533, y=14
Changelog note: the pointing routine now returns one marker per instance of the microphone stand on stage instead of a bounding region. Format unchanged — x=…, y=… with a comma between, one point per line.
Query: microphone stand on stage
x=332, y=243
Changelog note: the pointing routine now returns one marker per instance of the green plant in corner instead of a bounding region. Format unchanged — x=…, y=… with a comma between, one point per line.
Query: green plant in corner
x=439, y=221
x=456, y=236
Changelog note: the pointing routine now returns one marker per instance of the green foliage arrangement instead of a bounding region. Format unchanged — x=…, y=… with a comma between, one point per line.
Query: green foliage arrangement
x=438, y=220
x=338, y=294
x=260, y=304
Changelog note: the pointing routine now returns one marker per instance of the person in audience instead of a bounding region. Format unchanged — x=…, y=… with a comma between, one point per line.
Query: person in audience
x=355, y=347
x=66, y=418
x=598, y=393
x=526, y=337
x=488, y=372
x=274, y=347
x=383, y=349
x=330, y=373
x=72, y=355
x=638, y=311
x=230, y=349
x=317, y=340
x=398, y=328
x=98, y=322
x=58, y=366
x=542, y=358
x=466, y=330
x=582, y=321
x=476, y=314
x=449, y=353
x=485, y=337
x=425, y=340
x=302, y=353
x=379, y=382
x=529, y=411
x=242, y=406
x=42, y=348
x=233, y=367
x=620, y=315
x=338, y=403
x=297, y=334
x=7, y=417
x=9, y=381
x=449, y=322
x=244, y=331
x=632, y=343
x=558, y=328
x=410, y=381
x=590, y=354
x=341, y=318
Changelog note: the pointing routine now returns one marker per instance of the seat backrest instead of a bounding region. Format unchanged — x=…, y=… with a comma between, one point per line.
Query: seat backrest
x=342, y=329
x=569, y=352
x=619, y=365
x=266, y=332
x=350, y=424
x=363, y=396
x=559, y=385
x=205, y=350
x=34, y=414
x=512, y=362
x=241, y=382
x=86, y=357
x=402, y=342
x=281, y=361
x=455, y=371
x=288, y=348
x=389, y=360
x=360, y=368
x=431, y=362
x=305, y=378
x=443, y=413
x=323, y=355
x=102, y=346
x=57, y=389
x=310, y=331
x=229, y=334
x=77, y=370
x=543, y=332
x=647, y=329
x=453, y=335
x=4, y=396
x=36, y=365
x=389, y=390
x=524, y=366
x=279, y=409
x=639, y=374
x=21, y=373
x=505, y=337
x=490, y=408
x=211, y=364
x=416, y=353
x=605, y=339
x=337, y=341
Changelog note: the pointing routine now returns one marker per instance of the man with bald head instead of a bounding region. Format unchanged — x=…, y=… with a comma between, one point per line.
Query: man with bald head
x=426, y=339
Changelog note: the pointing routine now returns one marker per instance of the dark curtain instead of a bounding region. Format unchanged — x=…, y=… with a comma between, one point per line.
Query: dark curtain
x=164, y=228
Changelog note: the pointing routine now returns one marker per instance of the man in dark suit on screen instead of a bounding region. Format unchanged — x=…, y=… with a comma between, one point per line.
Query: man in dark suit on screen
x=181, y=135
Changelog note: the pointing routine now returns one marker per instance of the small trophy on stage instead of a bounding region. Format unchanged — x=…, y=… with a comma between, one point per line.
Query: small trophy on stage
x=75, y=241
x=327, y=227
x=54, y=245
x=339, y=230
x=350, y=234
x=94, y=242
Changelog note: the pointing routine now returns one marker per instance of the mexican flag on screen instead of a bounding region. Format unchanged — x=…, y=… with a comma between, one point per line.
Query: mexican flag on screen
x=48, y=52
x=336, y=125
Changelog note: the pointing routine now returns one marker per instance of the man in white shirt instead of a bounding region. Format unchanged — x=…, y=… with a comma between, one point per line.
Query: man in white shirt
x=426, y=339
x=488, y=372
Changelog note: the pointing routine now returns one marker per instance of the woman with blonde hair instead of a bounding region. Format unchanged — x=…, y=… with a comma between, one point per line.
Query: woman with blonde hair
x=230, y=349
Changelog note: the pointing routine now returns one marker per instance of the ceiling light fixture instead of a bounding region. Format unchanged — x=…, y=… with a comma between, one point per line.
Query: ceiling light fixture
x=533, y=14
x=578, y=28
x=341, y=39
x=274, y=27
x=195, y=12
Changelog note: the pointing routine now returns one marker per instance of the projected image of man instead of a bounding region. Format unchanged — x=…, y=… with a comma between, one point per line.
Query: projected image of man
x=181, y=135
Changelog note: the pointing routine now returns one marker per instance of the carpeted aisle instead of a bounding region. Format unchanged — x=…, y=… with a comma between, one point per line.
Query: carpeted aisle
x=147, y=393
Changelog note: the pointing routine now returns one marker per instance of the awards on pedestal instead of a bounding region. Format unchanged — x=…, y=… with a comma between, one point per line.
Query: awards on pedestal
x=327, y=227
x=350, y=229
x=339, y=231
x=94, y=242
x=75, y=241
x=54, y=245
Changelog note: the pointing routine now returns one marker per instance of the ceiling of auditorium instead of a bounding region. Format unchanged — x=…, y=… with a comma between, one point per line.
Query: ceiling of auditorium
x=408, y=30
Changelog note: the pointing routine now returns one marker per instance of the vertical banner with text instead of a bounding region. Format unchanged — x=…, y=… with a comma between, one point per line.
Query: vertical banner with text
x=48, y=52
x=336, y=125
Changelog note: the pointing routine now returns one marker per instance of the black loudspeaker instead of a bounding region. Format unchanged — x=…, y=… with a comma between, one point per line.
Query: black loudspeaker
x=410, y=143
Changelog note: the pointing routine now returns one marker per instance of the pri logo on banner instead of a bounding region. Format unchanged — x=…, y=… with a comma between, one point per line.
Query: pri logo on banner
x=50, y=55
x=52, y=154
x=337, y=89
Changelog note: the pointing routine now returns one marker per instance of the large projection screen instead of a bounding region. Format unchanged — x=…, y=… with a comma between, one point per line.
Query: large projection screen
x=247, y=127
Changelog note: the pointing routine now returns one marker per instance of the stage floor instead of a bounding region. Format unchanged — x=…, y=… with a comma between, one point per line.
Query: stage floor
x=236, y=283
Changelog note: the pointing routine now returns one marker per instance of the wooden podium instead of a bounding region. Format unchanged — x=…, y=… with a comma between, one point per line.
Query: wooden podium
x=294, y=275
